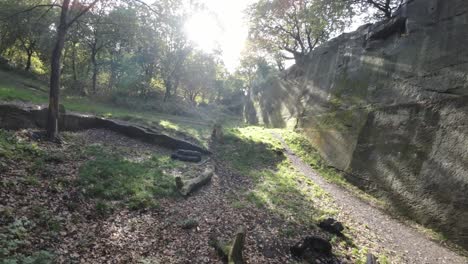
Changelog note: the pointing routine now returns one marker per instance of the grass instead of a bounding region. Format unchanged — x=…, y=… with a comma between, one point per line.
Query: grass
x=13, y=237
x=280, y=188
x=277, y=186
x=13, y=148
x=110, y=177
x=302, y=147
x=16, y=87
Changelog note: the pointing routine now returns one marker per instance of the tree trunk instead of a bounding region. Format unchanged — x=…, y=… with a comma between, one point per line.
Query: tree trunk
x=168, y=85
x=95, y=70
x=231, y=252
x=53, y=111
x=28, y=62
x=75, y=77
x=188, y=186
x=176, y=85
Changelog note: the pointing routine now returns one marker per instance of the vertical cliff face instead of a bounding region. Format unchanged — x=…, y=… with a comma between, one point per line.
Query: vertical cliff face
x=389, y=105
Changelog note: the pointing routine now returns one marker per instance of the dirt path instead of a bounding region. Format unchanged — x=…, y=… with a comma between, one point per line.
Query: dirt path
x=408, y=243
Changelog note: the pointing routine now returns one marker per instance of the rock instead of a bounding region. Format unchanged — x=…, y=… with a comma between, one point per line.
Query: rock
x=18, y=117
x=217, y=135
x=62, y=110
x=389, y=109
x=311, y=248
x=332, y=226
x=387, y=28
x=189, y=224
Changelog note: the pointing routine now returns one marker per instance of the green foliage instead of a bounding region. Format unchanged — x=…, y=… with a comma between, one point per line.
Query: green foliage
x=46, y=219
x=296, y=26
x=252, y=151
x=111, y=177
x=13, y=237
x=12, y=148
x=188, y=223
x=103, y=208
x=306, y=151
x=303, y=148
x=250, y=148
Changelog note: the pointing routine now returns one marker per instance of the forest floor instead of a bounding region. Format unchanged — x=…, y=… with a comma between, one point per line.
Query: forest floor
x=408, y=244
x=104, y=198
x=100, y=197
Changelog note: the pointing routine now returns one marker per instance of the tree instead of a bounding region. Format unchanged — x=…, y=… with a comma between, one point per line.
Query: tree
x=198, y=77
x=174, y=46
x=25, y=31
x=297, y=26
x=66, y=20
x=95, y=30
x=384, y=8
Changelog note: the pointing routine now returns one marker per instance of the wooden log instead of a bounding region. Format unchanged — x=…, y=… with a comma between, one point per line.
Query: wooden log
x=187, y=186
x=371, y=259
x=231, y=252
x=235, y=254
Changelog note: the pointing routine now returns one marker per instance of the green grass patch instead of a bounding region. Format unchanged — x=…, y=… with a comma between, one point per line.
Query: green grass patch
x=249, y=149
x=111, y=177
x=14, y=239
x=278, y=187
x=15, y=87
x=12, y=147
x=302, y=147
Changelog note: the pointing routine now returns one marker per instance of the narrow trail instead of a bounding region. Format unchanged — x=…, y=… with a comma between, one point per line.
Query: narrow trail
x=411, y=245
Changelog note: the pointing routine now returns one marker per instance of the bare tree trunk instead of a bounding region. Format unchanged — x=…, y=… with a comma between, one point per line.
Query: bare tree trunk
x=95, y=73
x=75, y=76
x=53, y=115
x=28, y=62
x=168, y=85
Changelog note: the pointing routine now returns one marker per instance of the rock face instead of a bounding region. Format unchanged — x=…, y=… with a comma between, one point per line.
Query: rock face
x=17, y=117
x=388, y=104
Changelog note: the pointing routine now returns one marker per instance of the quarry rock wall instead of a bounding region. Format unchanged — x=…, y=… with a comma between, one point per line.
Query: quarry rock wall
x=388, y=104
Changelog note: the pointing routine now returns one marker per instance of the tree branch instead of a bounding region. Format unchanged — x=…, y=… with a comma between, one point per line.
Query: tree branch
x=81, y=13
x=29, y=10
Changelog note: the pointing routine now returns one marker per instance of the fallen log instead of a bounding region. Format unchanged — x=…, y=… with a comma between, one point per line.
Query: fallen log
x=371, y=259
x=232, y=252
x=187, y=186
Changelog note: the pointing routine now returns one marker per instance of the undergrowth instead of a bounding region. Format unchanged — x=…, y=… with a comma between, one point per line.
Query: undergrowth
x=109, y=177
x=13, y=238
x=278, y=187
x=12, y=148
x=304, y=149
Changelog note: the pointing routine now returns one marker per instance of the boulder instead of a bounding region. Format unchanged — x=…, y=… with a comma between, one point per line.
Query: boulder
x=332, y=226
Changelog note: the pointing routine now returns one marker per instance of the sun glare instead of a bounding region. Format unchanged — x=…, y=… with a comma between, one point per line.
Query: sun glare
x=204, y=30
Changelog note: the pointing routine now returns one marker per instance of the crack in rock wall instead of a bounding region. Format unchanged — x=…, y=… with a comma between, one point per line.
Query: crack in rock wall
x=388, y=104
